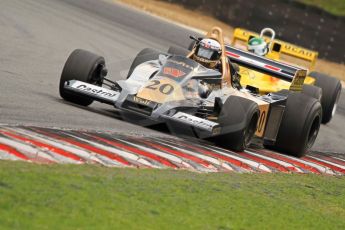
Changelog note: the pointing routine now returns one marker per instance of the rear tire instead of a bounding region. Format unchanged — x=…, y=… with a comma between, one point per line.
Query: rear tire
x=83, y=66
x=331, y=89
x=312, y=91
x=178, y=51
x=144, y=55
x=299, y=126
x=237, y=111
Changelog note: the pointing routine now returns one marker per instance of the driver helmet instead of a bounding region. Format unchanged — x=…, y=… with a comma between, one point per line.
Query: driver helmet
x=208, y=53
x=258, y=46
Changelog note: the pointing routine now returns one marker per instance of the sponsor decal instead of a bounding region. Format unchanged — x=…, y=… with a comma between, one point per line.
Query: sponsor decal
x=173, y=72
x=197, y=122
x=181, y=63
x=298, y=50
x=141, y=100
x=216, y=130
x=298, y=81
x=98, y=91
x=244, y=33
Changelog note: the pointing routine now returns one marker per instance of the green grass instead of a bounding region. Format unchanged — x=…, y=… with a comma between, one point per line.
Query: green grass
x=336, y=7
x=93, y=197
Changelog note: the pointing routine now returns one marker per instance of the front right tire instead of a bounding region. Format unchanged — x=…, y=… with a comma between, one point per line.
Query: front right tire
x=238, y=118
x=178, y=51
x=144, y=55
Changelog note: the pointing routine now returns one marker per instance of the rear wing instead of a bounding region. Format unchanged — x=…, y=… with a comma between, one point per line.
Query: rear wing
x=277, y=47
x=293, y=74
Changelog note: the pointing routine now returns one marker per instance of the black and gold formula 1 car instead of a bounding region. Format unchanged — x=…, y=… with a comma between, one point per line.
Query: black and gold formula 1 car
x=171, y=88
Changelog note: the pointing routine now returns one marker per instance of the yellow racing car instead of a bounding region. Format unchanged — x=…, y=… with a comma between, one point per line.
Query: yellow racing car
x=271, y=48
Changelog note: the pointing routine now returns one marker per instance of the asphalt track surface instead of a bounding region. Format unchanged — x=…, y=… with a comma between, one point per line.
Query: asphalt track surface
x=37, y=37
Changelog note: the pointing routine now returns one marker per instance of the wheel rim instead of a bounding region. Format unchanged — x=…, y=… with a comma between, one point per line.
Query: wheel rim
x=314, y=130
x=96, y=77
x=336, y=104
x=249, y=131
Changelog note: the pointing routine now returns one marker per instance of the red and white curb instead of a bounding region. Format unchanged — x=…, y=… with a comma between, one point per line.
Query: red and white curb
x=46, y=145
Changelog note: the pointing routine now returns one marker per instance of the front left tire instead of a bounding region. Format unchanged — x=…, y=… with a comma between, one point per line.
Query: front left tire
x=83, y=66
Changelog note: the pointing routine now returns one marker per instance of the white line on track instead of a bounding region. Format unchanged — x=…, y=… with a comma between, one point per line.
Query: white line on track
x=161, y=154
x=204, y=157
x=170, y=157
x=8, y=156
x=320, y=168
x=230, y=154
x=30, y=151
x=219, y=157
x=341, y=159
x=112, y=162
x=125, y=154
x=282, y=163
x=89, y=156
x=328, y=162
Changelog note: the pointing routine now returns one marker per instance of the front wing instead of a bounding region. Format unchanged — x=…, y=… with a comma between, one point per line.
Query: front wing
x=138, y=106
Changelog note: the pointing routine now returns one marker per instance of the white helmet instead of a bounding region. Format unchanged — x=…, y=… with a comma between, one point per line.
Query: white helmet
x=258, y=46
x=208, y=52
